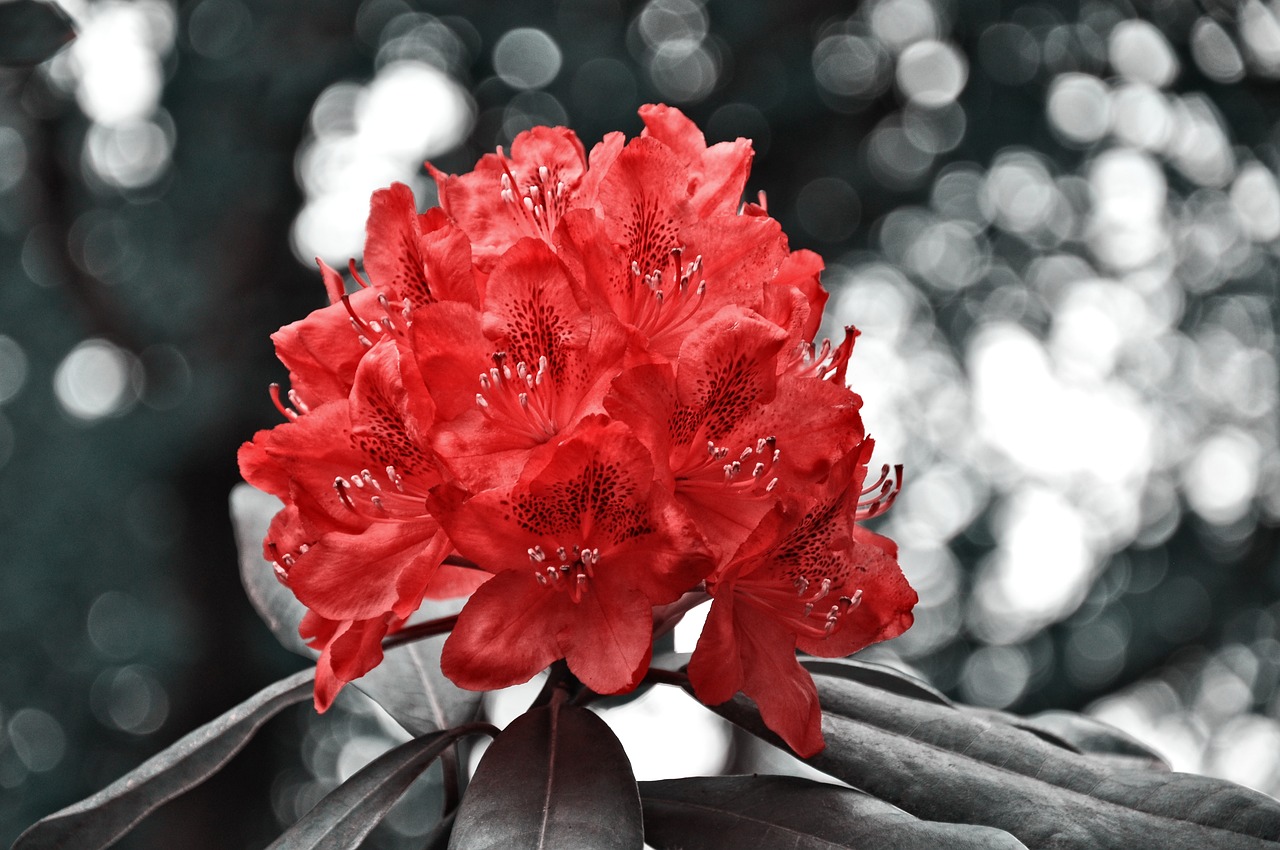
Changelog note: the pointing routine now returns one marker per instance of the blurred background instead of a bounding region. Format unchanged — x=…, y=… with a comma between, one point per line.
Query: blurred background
x=1056, y=224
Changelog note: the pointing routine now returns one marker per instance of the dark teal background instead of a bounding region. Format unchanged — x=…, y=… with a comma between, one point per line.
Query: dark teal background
x=118, y=577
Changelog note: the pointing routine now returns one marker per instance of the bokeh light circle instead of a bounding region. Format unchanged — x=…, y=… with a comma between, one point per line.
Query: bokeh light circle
x=527, y=58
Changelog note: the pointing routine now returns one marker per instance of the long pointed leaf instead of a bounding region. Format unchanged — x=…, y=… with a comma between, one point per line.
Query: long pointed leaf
x=789, y=813
x=99, y=821
x=251, y=513
x=1097, y=738
x=556, y=777
x=961, y=766
x=347, y=814
x=31, y=32
x=876, y=675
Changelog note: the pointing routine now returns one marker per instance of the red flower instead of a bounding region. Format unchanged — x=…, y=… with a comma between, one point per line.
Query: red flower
x=513, y=376
x=508, y=198
x=658, y=265
x=594, y=378
x=355, y=543
x=582, y=547
x=810, y=578
x=730, y=433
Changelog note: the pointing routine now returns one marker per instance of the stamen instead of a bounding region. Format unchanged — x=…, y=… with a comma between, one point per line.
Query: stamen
x=351, y=267
x=340, y=485
x=287, y=413
x=519, y=398
x=296, y=401
x=361, y=327
x=385, y=304
x=882, y=493
x=573, y=573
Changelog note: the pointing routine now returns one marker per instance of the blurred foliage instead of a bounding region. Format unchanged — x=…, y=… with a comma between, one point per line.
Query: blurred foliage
x=1055, y=223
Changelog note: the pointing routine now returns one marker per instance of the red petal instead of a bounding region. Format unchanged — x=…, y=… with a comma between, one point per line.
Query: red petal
x=512, y=628
x=718, y=174
x=885, y=609
x=600, y=160
x=391, y=413
x=475, y=200
x=744, y=649
x=727, y=367
x=795, y=298
x=503, y=635
x=715, y=670
x=608, y=638
x=450, y=582
x=446, y=253
x=531, y=309
x=451, y=352
x=814, y=421
x=306, y=454
x=348, y=650
x=333, y=283
x=322, y=351
x=595, y=491
x=393, y=255
x=384, y=568
x=643, y=196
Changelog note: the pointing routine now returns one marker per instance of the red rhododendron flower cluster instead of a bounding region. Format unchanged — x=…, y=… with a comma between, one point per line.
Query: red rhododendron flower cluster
x=579, y=389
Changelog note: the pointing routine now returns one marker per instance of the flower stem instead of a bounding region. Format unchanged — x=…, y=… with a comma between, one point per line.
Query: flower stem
x=658, y=676
x=418, y=631
x=450, y=779
x=665, y=617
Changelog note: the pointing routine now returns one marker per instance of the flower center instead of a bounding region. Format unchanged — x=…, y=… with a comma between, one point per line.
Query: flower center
x=364, y=493
x=538, y=205
x=523, y=399
x=569, y=570
x=750, y=473
x=666, y=298
x=805, y=605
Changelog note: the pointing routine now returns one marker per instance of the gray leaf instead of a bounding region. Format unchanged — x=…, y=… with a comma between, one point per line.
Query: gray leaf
x=556, y=777
x=789, y=813
x=876, y=675
x=251, y=514
x=99, y=821
x=1097, y=738
x=347, y=814
x=944, y=764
